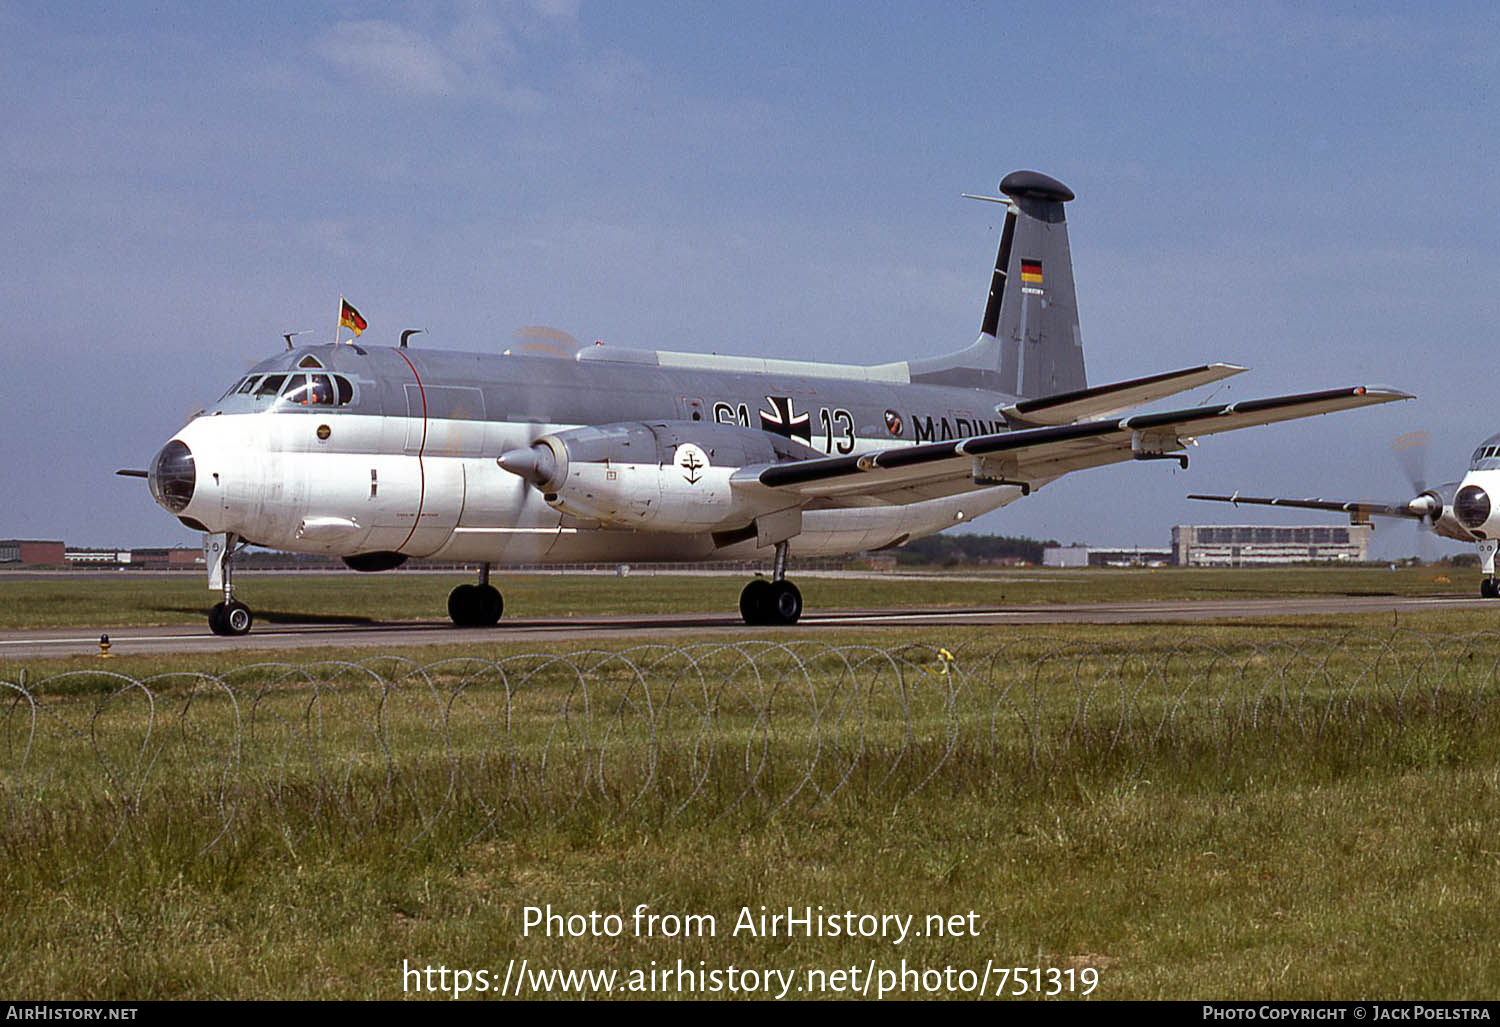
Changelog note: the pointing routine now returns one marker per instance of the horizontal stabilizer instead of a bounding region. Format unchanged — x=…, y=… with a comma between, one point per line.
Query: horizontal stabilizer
x=1115, y=398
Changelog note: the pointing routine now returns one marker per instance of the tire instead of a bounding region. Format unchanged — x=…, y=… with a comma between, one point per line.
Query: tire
x=1489, y=588
x=488, y=605
x=753, y=601
x=236, y=619
x=216, y=619
x=783, y=603
x=461, y=605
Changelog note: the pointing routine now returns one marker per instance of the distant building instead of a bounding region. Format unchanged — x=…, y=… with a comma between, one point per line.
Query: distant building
x=1135, y=556
x=30, y=552
x=1102, y=556
x=1065, y=556
x=180, y=558
x=1248, y=545
x=97, y=557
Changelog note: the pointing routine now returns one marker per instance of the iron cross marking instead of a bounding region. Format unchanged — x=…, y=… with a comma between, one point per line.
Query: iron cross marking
x=780, y=420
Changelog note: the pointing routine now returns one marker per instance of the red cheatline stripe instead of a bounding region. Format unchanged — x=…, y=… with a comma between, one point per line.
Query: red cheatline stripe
x=421, y=449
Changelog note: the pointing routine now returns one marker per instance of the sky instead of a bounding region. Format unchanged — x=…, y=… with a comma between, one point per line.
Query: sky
x=1309, y=190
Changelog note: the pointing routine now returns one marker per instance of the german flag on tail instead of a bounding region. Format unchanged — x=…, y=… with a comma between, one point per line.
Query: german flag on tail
x=350, y=318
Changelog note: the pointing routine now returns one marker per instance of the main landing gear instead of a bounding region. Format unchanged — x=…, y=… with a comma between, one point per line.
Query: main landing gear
x=230, y=617
x=772, y=602
x=476, y=606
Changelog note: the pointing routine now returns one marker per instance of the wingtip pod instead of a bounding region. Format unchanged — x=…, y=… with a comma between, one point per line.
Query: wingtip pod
x=1388, y=393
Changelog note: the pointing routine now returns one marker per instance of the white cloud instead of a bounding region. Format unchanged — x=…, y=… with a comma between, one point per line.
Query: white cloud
x=556, y=10
x=385, y=54
x=469, y=50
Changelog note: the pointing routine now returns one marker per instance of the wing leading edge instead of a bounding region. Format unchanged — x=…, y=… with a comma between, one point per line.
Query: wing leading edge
x=1415, y=510
x=932, y=470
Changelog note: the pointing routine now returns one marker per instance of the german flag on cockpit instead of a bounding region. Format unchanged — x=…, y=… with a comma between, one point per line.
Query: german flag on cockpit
x=350, y=318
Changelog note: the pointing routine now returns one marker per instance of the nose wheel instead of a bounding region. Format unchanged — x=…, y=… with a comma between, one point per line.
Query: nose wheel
x=476, y=606
x=1489, y=588
x=231, y=618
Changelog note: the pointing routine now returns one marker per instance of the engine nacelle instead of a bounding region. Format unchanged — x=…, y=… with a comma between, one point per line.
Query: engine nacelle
x=1438, y=505
x=672, y=476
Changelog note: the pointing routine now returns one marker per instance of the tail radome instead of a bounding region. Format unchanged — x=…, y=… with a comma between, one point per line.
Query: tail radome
x=1029, y=343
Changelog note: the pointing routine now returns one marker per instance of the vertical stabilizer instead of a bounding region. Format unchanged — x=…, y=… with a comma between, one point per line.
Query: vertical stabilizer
x=1029, y=343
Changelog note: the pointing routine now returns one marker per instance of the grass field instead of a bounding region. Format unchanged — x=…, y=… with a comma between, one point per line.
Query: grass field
x=1270, y=810
x=131, y=599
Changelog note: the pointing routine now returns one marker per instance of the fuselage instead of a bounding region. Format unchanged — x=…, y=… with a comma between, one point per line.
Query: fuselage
x=349, y=449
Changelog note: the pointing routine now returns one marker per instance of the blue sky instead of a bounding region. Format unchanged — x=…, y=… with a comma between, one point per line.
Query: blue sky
x=1310, y=192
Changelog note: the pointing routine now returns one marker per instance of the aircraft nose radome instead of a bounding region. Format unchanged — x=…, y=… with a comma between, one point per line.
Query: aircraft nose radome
x=173, y=476
x=1472, y=507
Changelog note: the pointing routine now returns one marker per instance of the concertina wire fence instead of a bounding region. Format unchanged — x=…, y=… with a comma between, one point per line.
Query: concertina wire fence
x=393, y=748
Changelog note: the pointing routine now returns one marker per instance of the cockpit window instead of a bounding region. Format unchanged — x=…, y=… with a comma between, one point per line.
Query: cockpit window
x=309, y=390
x=270, y=385
x=317, y=390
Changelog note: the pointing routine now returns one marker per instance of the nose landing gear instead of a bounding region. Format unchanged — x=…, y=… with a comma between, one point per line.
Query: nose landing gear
x=1489, y=587
x=230, y=617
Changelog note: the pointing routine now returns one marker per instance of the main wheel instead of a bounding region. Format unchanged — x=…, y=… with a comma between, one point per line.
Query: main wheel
x=1489, y=588
x=783, y=603
x=488, y=606
x=461, y=605
x=231, y=618
x=475, y=606
x=753, y=601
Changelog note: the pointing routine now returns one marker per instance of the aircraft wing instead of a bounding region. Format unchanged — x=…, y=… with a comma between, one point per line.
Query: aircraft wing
x=1356, y=508
x=932, y=470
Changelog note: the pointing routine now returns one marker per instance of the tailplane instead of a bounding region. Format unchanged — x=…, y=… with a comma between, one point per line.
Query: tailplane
x=1029, y=344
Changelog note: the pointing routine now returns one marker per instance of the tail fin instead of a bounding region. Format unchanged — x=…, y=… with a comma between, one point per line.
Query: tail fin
x=1029, y=344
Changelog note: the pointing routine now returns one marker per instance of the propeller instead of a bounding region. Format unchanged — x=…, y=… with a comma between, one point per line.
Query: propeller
x=1411, y=455
x=545, y=341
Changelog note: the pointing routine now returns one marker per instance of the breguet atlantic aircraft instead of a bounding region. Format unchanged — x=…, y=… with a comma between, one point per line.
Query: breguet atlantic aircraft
x=379, y=454
x=1462, y=510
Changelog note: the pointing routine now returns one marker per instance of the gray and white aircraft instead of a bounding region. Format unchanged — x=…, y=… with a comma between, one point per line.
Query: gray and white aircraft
x=1461, y=510
x=378, y=454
